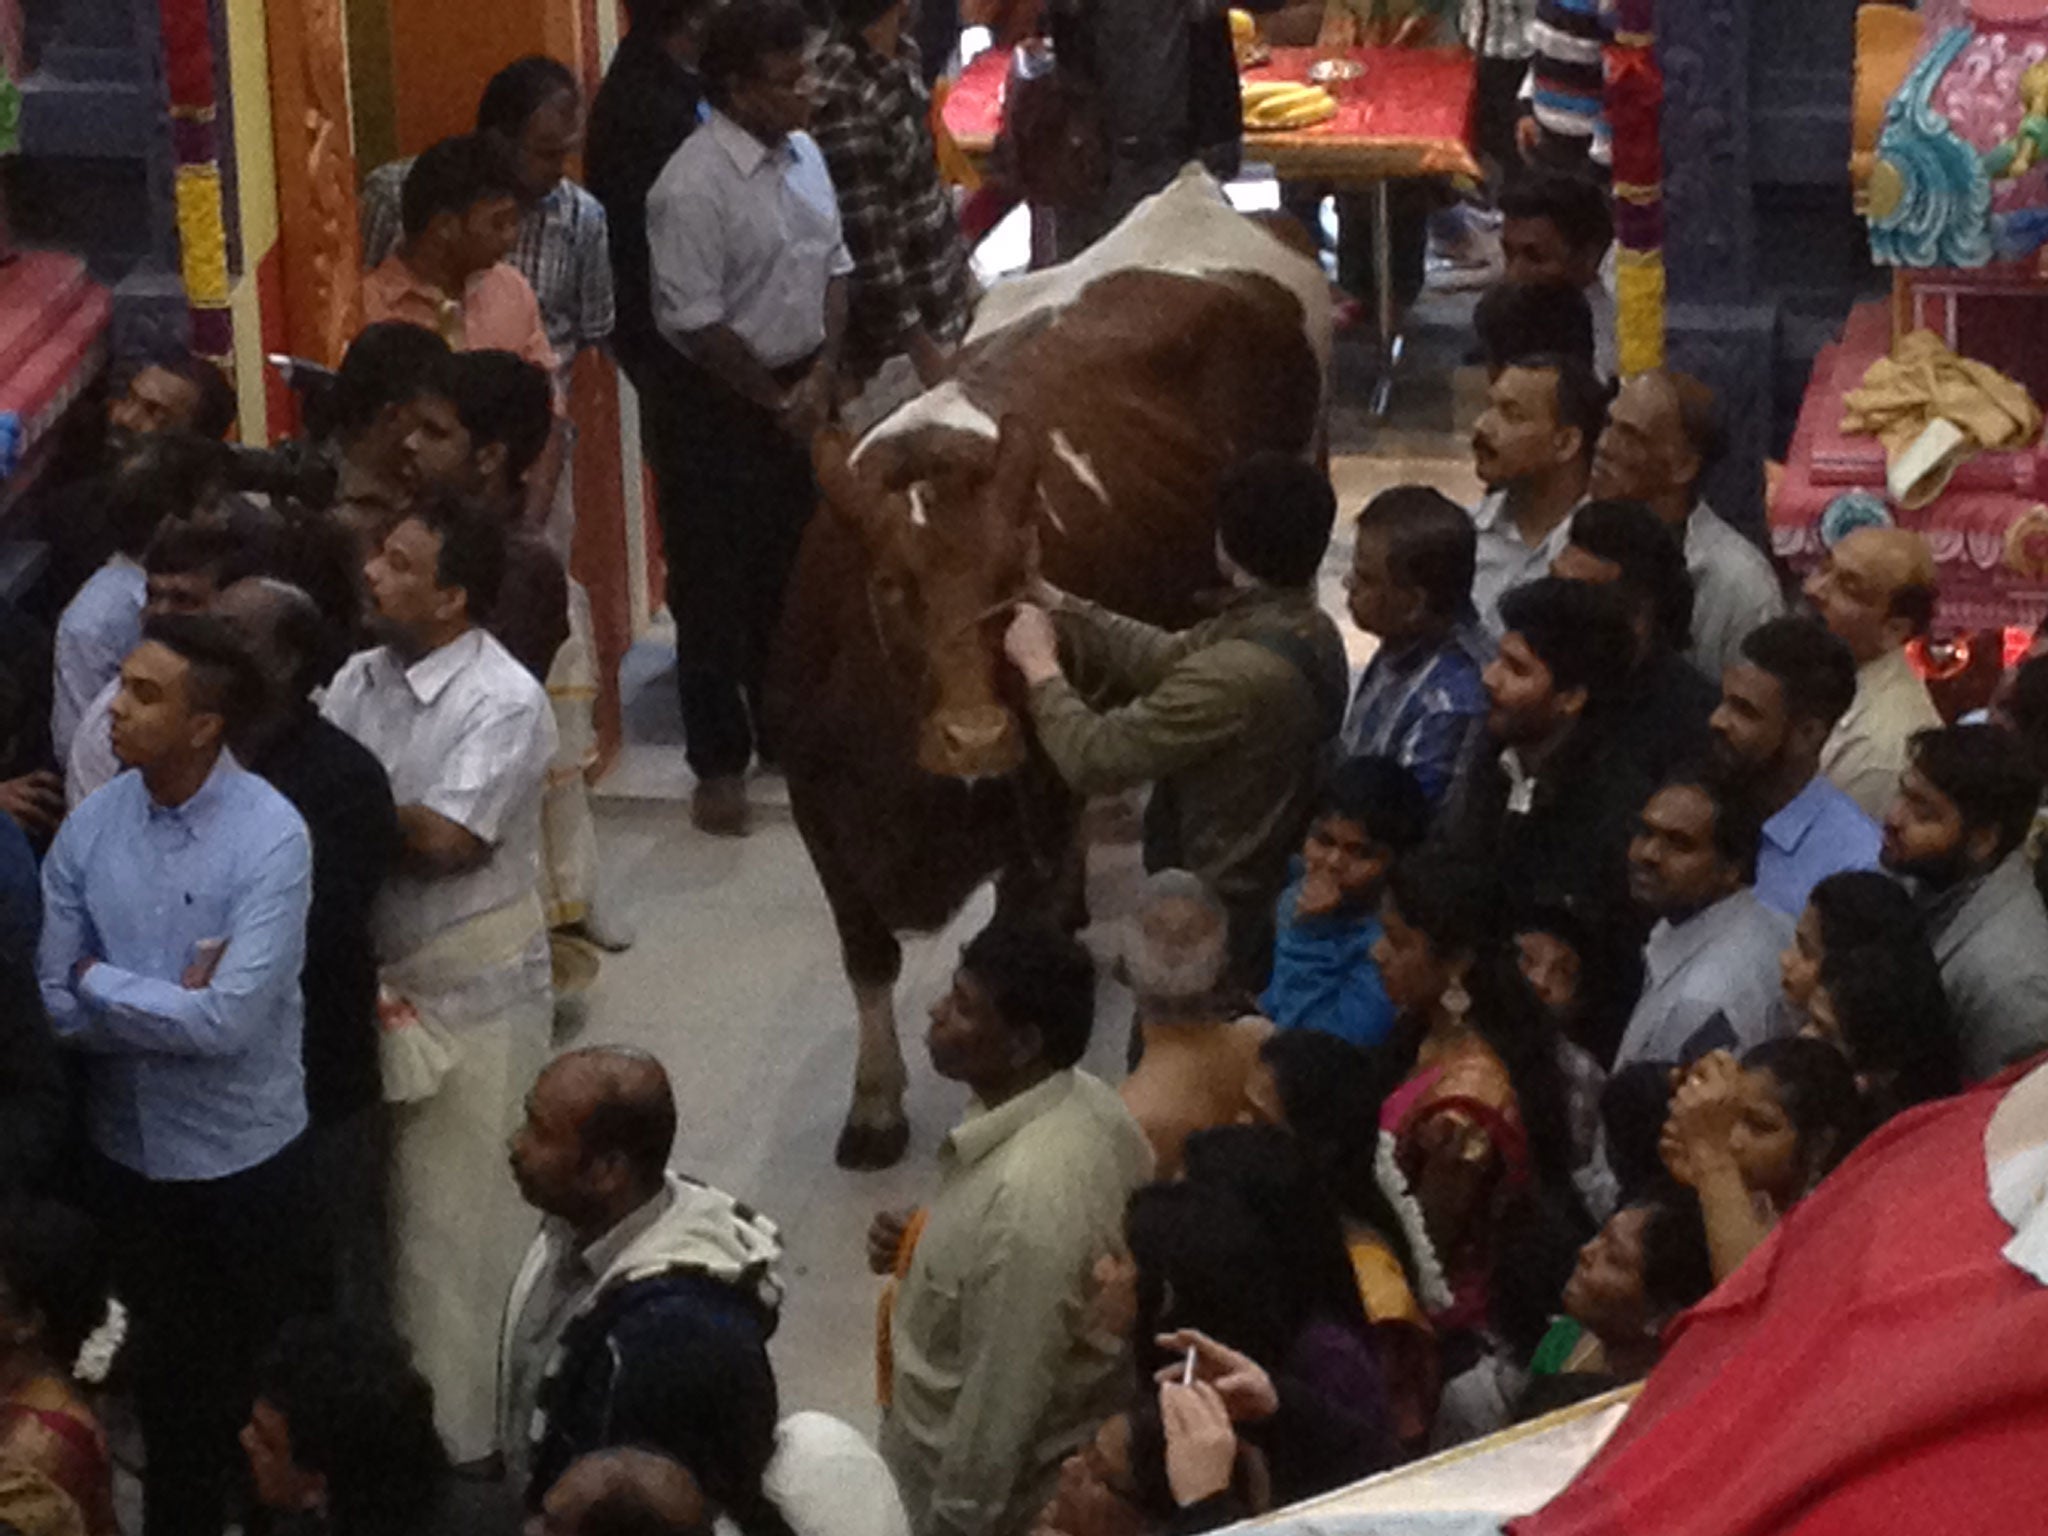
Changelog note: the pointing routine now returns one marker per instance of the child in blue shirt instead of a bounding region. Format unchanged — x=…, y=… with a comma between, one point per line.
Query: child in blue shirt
x=1323, y=971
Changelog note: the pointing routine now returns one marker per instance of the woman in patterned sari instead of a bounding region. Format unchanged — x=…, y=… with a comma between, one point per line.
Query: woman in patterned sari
x=1480, y=1119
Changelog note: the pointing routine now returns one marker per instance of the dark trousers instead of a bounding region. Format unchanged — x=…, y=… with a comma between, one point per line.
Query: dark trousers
x=735, y=493
x=1499, y=108
x=209, y=1271
x=349, y=1158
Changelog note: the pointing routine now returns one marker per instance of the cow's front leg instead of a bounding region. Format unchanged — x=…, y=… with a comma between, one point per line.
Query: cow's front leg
x=876, y=1131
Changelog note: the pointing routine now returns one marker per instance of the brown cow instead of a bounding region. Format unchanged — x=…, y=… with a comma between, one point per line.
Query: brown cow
x=1091, y=415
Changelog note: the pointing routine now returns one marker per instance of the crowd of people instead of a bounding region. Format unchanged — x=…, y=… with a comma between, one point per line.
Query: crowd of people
x=1491, y=1008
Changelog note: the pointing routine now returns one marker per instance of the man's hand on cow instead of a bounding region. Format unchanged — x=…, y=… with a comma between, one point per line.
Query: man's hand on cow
x=1033, y=645
x=808, y=406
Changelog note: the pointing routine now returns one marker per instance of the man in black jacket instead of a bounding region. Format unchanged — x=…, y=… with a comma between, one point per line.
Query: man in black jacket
x=642, y=1313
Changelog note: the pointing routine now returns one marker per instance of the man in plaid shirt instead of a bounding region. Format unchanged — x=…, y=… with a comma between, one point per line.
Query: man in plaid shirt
x=533, y=104
x=911, y=288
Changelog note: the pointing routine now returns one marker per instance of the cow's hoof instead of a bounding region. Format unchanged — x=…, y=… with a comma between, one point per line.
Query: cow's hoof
x=866, y=1148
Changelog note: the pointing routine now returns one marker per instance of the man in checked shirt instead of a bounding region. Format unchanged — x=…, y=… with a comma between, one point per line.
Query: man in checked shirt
x=911, y=288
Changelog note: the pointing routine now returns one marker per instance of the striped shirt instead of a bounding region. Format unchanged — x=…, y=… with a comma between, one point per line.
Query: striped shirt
x=1566, y=87
x=563, y=252
x=1498, y=29
x=1425, y=709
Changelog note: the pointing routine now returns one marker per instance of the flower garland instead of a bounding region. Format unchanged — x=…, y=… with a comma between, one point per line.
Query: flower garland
x=1431, y=1288
x=1635, y=108
x=96, y=1354
x=195, y=136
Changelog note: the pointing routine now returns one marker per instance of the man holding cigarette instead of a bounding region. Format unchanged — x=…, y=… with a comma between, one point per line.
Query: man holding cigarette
x=1002, y=1363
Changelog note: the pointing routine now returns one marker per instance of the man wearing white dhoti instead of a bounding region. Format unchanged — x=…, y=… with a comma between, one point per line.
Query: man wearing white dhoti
x=465, y=733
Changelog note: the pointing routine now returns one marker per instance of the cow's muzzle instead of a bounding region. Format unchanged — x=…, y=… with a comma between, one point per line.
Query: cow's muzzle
x=984, y=742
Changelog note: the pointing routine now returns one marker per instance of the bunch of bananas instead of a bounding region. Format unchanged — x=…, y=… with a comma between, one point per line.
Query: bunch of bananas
x=1276, y=105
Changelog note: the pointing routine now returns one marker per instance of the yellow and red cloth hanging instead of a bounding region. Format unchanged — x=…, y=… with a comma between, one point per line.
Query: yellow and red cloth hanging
x=1635, y=108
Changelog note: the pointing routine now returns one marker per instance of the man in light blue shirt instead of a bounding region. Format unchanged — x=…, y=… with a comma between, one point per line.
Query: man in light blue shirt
x=1779, y=701
x=175, y=904
x=1710, y=969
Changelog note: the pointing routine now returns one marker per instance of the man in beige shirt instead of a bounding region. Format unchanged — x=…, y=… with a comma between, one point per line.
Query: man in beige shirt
x=1001, y=1363
x=1876, y=591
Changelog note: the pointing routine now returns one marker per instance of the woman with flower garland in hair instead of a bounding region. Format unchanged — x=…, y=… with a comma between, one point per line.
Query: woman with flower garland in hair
x=1327, y=1093
x=57, y=1325
x=1480, y=1122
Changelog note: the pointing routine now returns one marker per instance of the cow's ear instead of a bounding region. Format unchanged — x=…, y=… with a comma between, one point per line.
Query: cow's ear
x=838, y=483
x=1015, y=482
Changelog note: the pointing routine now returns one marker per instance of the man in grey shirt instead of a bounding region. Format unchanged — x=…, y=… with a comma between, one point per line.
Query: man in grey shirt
x=1710, y=968
x=1956, y=830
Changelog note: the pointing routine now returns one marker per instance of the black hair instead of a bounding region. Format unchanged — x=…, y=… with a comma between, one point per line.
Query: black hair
x=1274, y=514
x=1629, y=535
x=1986, y=772
x=1330, y=1092
x=388, y=364
x=1738, y=829
x=1858, y=908
x=1530, y=319
x=53, y=1263
x=1582, y=396
x=1036, y=974
x=1431, y=545
x=2027, y=707
x=521, y=89
x=662, y=18
x=1814, y=670
x=502, y=398
x=632, y=1120
x=1536, y=1248
x=1382, y=797
x=184, y=549
x=224, y=679
x=213, y=416
x=359, y=1414
x=1678, y=1268
x=1579, y=632
x=1576, y=204
x=1206, y=1261
x=1894, y=1020
x=740, y=36
x=453, y=176
x=472, y=554
x=1265, y=1167
x=1456, y=903
x=167, y=478
x=857, y=14
x=1817, y=1087
x=1634, y=1106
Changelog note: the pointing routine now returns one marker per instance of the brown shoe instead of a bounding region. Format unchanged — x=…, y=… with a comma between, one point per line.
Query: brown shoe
x=719, y=807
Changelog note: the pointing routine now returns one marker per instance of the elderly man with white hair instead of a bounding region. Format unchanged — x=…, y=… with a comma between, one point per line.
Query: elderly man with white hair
x=1194, y=1055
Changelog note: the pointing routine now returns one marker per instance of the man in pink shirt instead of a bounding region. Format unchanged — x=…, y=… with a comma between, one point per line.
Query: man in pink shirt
x=460, y=209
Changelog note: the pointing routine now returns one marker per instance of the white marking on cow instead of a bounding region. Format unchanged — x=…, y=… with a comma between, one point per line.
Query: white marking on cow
x=1190, y=230
x=918, y=490
x=946, y=406
x=1079, y=466
x=1052, y=513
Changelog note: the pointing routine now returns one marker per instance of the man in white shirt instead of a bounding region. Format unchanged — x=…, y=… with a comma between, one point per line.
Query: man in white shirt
x=465, y=734
x=1710, y=968
x=1532, y=448
x=1876, y=591
x=749, y=279
x=1663, y=434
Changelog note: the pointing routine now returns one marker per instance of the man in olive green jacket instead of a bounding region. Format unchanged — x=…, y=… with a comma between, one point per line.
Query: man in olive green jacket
x=1230, y=720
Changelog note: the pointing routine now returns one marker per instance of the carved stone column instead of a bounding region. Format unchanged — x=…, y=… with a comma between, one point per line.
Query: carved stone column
x=316, y=177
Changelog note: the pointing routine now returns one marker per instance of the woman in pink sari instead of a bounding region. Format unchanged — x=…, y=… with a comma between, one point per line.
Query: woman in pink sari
x=1481, y=1115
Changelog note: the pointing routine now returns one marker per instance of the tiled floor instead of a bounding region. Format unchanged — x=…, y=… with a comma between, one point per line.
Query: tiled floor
x=736, y=984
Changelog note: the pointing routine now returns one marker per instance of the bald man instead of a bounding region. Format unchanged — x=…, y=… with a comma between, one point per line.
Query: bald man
x=1663, y=434
x=643, y=1310
x=1876, y=591
x=623, y=1490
